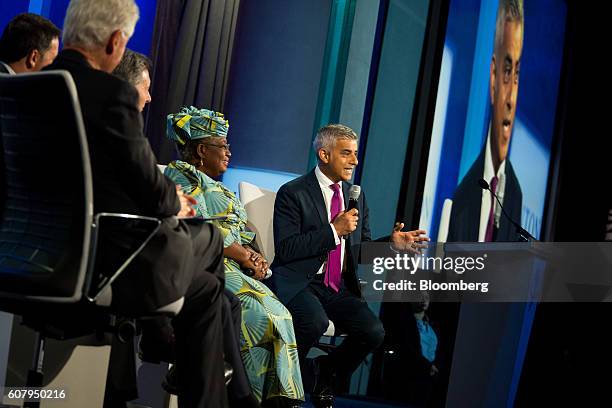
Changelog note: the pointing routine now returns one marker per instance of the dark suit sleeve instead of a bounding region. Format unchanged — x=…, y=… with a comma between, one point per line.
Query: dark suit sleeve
x=366, y=234
x=154, y=193
x=290, y=242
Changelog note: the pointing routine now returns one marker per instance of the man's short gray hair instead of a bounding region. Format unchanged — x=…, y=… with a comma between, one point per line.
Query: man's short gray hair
x=507, y=11
x=90, y=23
x=326, y=136
x=131, y=67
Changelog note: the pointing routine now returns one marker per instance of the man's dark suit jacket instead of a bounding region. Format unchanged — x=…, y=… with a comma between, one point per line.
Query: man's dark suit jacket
x=465, y=215
x=126, y=180
x=303, y=237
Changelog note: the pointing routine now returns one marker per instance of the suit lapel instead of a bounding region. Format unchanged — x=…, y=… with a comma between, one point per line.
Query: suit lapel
x=345, y=193
x=314, y=190
x=507, y=231
x=473, y=217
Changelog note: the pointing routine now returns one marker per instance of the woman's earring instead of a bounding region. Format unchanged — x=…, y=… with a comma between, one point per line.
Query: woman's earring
x=201, y=162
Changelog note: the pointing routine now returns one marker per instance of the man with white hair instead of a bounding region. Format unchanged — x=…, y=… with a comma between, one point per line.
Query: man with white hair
x=182, y=260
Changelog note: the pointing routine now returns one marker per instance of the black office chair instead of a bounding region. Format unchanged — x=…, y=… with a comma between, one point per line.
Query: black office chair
x=48, y=232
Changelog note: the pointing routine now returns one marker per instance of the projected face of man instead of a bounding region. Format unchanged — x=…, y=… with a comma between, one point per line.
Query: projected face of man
x=504, y=81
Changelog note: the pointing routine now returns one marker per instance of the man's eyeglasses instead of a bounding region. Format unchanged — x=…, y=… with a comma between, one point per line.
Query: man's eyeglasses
x=226, y=146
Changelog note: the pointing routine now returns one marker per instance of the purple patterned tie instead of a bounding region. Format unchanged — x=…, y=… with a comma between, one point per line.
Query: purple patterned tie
x=491, y=223
x=334, y=260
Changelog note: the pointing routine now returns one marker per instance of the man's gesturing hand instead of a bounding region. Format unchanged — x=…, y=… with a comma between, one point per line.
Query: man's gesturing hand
x=413, y=241
x=346, y=222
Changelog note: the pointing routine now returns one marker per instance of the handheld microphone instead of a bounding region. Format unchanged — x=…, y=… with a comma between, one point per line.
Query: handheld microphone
x=354, y=193
x=524, y=234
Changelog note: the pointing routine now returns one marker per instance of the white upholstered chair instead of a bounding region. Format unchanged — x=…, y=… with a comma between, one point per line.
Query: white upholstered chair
x=259, y=205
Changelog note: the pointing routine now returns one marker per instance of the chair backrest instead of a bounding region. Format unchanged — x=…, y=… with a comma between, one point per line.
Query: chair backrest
x=46, y=198
x=259, y=205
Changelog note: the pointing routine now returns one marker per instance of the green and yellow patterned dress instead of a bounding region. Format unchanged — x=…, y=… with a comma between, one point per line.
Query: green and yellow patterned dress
x=269, y=350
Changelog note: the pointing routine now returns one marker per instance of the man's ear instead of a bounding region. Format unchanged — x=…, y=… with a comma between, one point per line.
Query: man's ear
x=113, y=42
x=492, y=80
x=323, y=156
x=32, y=59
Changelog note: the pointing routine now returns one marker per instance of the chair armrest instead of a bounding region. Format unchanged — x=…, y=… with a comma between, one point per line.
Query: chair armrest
x=97, y=286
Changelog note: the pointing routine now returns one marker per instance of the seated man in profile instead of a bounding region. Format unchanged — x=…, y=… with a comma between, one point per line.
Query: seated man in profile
x=135, y=69
x=181, y=260
x=28, y=44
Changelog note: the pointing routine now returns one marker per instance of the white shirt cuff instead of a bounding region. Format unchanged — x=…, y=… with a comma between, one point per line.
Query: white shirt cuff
x=336, y=237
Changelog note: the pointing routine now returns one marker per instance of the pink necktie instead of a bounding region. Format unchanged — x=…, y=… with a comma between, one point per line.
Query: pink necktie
x=334, y=267
x=491, y=223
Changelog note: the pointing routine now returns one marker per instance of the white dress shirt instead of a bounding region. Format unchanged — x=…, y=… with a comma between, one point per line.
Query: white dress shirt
x=8, y=68
x=485, y=205
x=328, y=193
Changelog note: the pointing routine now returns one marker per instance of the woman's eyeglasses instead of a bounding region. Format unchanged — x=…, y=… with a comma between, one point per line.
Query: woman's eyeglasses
x=226, y=146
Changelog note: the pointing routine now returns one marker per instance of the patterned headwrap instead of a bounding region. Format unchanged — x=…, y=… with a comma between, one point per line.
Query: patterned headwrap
x=192, y=123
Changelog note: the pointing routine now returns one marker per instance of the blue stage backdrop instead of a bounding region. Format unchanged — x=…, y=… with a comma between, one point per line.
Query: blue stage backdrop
x=463, y=110
x=274, y=82
x=9, y=9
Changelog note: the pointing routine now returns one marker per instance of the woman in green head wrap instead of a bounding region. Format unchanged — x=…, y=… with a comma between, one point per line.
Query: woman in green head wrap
x=269, y=350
